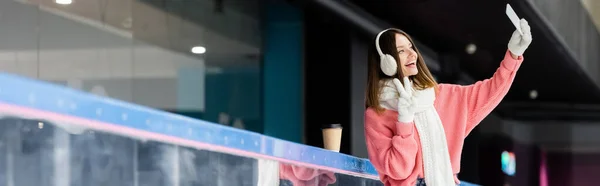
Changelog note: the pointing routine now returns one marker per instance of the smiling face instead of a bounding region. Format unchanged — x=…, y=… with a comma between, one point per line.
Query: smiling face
x=410, y=63
x=407, y=55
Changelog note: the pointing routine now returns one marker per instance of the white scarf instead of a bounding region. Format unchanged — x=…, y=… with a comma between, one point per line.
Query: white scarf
x=434, y=147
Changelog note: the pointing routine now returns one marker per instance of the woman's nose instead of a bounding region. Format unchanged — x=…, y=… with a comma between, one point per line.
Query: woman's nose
x=413, y=54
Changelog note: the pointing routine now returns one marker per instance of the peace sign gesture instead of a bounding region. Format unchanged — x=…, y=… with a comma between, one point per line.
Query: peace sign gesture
x=406, y=101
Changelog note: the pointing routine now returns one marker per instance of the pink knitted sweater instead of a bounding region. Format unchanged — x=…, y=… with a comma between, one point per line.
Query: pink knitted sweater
x=394, y=147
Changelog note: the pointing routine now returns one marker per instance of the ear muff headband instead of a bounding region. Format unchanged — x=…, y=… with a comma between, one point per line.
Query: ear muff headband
x=387, y=62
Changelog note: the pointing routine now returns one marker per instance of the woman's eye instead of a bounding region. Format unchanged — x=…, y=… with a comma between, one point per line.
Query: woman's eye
x=401, y=51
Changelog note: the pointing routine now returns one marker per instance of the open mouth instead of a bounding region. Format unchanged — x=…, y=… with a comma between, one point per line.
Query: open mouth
x=411, y=64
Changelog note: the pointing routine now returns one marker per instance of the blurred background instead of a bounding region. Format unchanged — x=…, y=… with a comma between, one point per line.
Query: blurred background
x=284, y=68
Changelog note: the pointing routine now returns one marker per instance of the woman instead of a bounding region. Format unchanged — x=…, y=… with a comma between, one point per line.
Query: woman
x=415, y=129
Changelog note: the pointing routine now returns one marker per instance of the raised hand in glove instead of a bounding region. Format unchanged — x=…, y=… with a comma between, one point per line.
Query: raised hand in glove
x=406, y=101
x=518, y=43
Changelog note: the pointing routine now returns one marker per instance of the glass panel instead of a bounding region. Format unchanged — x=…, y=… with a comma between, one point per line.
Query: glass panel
x=37, y=152
x=156, y=53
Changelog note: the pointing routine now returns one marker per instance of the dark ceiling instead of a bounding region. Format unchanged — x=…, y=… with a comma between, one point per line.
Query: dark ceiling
x=447, y=26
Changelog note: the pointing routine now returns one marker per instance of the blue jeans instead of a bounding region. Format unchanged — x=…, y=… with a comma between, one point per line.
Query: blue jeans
x=421, y=182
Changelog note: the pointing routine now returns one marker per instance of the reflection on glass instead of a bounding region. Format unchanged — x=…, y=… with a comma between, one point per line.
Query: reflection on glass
x=59, y=154
x=304, y=176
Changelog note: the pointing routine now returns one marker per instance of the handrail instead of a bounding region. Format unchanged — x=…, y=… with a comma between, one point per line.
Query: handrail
x=31, y=98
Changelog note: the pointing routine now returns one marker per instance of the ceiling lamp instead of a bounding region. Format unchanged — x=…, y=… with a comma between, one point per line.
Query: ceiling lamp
x=64, y=2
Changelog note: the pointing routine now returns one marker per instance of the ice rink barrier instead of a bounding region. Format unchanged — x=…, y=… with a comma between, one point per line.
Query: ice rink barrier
x=53, y=135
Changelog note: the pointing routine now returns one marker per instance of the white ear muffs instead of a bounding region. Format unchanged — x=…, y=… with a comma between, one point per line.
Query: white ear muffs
x=388, y=65
x=387, y=62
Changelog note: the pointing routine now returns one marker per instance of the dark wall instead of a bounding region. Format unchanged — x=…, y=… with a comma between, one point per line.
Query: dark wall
x=327, y=76
x=573, y=169
x=469, y=170
x=527, y=158
x=560, y=168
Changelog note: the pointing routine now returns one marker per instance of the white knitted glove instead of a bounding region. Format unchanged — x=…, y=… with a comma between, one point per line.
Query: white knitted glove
x=518, y=43
x=406, y=101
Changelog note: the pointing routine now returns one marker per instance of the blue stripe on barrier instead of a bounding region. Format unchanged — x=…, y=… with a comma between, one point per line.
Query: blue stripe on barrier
x=43, y=96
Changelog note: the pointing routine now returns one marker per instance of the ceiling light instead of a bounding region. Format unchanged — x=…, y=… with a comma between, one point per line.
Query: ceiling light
x=64, y=2
x=198, y=50
x=533, y=94
x=471, y=48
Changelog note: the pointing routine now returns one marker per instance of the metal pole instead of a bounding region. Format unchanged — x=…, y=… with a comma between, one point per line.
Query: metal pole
x=354, y=15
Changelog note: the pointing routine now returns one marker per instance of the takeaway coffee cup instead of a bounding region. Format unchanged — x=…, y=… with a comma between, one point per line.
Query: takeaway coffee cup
x=332, y=137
